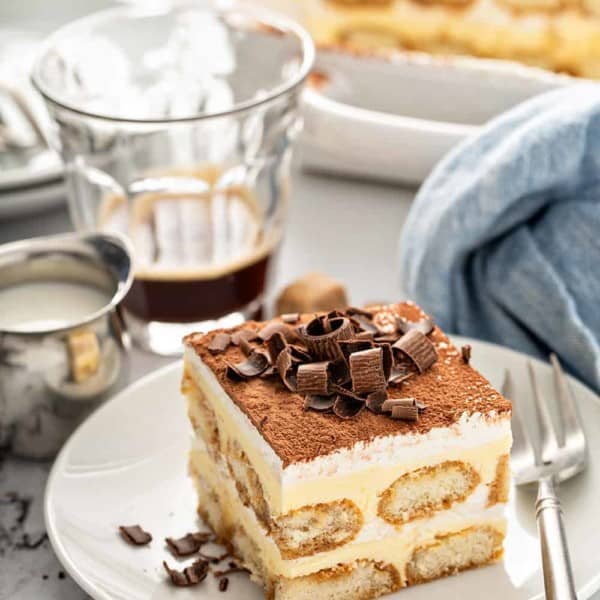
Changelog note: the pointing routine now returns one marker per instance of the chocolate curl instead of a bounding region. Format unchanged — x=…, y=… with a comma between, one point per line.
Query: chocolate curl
x=299, y=354
x=191, y=575
x=400, y=374
x=219, y=343
x=365, y=324
x=354, y=310
x=365, y=335
x=275, y=344
x=418, y=348
x=465, y=352
x=349, y=347
x=366, y=370
x=290, y=318
x=285, y=370
x=346, y=407
x=135, y=535
x=405, y=409
x=405, y=413
x=188, y=544
x=425, y=326
x=323, y=345
x=388, y=360
x=389, y=404
x=254, y=365
x=245, y=347
x=243, y=334
x=313, y=378
x=319, y=403
x=339, y=371
x=375, y=401
x=288, y=332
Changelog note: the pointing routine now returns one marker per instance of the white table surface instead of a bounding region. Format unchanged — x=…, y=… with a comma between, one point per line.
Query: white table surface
x=348, y=229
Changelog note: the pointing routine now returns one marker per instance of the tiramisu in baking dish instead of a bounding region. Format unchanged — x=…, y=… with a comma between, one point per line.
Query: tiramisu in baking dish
x=560, y=35
x=347, y=455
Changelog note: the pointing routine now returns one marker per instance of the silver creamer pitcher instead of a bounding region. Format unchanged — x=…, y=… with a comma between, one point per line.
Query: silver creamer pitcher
x=53, y=372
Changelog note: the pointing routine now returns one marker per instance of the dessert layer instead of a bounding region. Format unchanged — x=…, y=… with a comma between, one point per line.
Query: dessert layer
x=360, y=473
x=378, y=542
x=554, y=34
x=453, y=392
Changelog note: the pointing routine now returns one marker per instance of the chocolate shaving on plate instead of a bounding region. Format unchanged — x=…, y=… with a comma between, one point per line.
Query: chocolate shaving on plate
x=219, y=343
x=243, y=334
x=135, y=535
x=313, y=378
x=465, y=352
x=188, y=544
x=319, y=403
x=233, y=568
x=190, y=576
x=254, y=365
x=223, y=584
x=346, y=407
x=425, y=326
x=323, y=345
x=367, y=371
x=290, y=318
x=285, y=370
x=375, y=401
x=418, y=348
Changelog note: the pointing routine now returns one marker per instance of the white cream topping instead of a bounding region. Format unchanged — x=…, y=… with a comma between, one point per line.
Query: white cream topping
x=470, y=431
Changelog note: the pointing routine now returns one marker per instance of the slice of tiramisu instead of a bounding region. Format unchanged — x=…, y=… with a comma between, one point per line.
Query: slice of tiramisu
x=347, y=455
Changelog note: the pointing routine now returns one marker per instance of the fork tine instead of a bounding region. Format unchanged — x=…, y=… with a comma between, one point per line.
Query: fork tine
x=522, y=454
x=548, y=443
x=574, y=437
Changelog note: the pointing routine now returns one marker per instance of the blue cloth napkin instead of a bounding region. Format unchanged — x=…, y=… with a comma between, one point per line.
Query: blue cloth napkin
x=503, y=240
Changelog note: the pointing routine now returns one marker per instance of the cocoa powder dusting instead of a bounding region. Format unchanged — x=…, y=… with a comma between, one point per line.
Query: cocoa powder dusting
x=449, y=388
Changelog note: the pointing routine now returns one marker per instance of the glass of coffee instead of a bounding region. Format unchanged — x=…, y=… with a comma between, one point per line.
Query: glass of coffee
x=175, y=126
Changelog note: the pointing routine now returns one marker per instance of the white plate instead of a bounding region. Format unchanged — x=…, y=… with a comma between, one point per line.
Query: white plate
x=127, y=464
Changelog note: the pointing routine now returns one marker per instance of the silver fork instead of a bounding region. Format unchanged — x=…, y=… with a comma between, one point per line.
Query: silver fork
x=554, y=459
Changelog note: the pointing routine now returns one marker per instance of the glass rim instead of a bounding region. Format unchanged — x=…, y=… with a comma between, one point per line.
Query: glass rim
x=262, y=16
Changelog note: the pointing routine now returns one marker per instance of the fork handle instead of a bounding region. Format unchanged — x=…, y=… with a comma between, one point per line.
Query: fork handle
x=558, y=575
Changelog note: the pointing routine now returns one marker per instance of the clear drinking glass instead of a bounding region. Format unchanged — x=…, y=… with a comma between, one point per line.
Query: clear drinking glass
x=175, y=127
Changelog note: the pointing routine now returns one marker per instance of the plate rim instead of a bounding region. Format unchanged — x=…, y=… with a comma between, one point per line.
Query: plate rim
x=584, y=593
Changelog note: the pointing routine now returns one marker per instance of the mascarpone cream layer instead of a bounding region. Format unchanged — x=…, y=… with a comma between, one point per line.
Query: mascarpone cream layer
x=376, y=541
x=358, y=473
